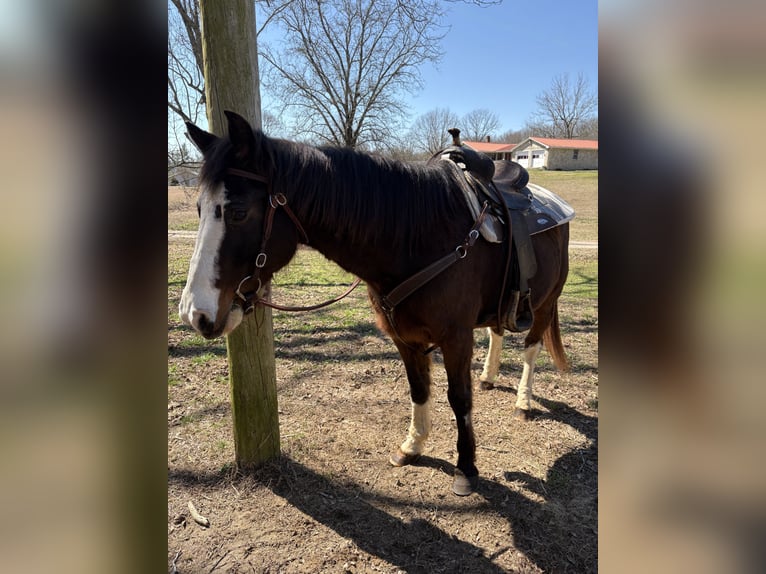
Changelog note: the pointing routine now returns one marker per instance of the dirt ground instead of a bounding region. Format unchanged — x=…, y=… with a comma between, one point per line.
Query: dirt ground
x=332, y=502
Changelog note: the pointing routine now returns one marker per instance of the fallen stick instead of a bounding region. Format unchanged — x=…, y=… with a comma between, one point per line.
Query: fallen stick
x=198, y=518
x=174, y=570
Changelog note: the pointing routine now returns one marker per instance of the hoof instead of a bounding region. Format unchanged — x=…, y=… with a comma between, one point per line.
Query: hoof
x=400, y=458
x=487, y=385
x=464, y=485
x=522, y=414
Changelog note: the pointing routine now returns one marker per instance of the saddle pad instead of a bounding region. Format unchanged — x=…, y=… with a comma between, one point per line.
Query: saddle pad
x=548, y=210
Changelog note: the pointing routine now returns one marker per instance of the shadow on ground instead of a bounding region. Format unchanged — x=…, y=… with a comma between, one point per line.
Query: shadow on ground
x=558, y=534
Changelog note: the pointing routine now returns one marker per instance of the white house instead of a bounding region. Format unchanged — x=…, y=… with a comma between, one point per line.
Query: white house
x=493, y=150
x=550, y=153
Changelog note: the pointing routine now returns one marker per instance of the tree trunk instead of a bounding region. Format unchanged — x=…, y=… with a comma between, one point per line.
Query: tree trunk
x=230, y=58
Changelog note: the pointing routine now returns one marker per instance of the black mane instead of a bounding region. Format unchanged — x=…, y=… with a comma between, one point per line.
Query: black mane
x=366, y=198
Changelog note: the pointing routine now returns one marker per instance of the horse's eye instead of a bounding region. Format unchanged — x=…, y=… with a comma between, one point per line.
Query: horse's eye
x=237, y=215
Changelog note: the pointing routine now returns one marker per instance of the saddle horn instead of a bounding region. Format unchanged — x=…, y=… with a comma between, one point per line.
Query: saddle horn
x=455, y=133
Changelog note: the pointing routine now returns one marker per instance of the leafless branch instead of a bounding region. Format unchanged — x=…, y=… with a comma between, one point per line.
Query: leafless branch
x=186, y=85
x=174, y=567
x=478, y=124
x=565, y=108
x=429, y=132
x=344, y=65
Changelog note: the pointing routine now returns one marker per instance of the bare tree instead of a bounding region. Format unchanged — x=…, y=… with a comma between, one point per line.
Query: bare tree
x=272, y=124
x=179, y=156
x=541, y=128
x=478, y=124
x=565, y=107
x=371, y=64
x=344, y=65
x=481, y=3
x=186, y=83
x=429, y=132
x=589, y=129
x=514, y=136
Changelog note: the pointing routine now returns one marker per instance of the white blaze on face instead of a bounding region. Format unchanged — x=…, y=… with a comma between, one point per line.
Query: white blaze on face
x=199, y=299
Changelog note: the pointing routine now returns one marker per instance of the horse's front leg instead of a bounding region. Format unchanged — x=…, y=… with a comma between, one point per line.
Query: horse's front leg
x=418, y=367
x=457, y=362
x=492, y=362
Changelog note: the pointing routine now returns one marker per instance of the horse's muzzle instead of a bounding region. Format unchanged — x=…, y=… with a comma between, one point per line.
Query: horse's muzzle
x=206, y=326
x=200, y=321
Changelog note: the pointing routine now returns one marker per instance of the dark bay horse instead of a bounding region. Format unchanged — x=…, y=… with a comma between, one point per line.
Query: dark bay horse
x=383, y=221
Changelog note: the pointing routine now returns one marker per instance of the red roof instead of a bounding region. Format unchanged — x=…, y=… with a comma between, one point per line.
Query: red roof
x=489, y=147
x=566, y=144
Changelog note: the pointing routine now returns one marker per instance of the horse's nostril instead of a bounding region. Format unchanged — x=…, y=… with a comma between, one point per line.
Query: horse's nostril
x=201, y=322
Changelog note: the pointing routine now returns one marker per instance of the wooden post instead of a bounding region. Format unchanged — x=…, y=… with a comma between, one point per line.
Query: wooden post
x=230, y=58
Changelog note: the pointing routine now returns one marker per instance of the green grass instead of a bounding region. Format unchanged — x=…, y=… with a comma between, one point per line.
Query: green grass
x=182, y=210
x=174, y=377
x=203, y=358
x=582, y=282
x=580, y=190
x=311, y=269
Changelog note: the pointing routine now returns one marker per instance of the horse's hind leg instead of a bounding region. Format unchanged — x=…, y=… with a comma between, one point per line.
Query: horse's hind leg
x=524, y=394
x=418, y=366
x=543, y=316
x=492, y=362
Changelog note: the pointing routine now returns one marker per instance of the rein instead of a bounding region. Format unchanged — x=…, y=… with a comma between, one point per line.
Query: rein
x=276, y=200
x=353, y=286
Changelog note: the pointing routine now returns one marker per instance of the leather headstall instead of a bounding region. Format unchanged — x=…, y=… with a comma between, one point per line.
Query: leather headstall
x=275, y=201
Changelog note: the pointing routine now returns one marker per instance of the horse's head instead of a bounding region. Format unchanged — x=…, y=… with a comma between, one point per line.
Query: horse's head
x=243, y=238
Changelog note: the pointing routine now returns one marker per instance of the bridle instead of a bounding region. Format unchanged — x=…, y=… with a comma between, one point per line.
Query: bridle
x=387, y=302
x=275, y=200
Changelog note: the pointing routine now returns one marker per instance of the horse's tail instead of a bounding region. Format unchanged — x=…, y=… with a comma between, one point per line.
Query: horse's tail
x=552, y=341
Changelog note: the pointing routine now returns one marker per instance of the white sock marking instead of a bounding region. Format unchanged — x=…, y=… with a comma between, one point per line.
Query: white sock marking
x=492, y=362
x=524, y=395
x=420, y=428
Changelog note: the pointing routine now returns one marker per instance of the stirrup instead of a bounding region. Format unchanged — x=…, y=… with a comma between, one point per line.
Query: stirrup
x=518, y=321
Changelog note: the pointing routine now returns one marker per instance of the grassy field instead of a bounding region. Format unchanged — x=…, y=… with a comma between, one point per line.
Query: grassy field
x=580, y=189
x=182, y=211
x=331, y=502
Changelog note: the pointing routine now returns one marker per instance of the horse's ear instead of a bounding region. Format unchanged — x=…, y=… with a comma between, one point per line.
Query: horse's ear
x=202, y=139
x=241, y=135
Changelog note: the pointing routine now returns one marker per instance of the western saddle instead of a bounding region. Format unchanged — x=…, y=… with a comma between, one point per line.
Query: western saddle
x=504, y=185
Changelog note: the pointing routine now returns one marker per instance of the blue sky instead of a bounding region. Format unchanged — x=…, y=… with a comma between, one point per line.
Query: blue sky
x=502, y=57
